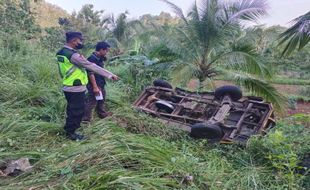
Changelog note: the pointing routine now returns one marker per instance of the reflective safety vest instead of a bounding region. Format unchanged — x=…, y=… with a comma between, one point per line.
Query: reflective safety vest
x=71, y=74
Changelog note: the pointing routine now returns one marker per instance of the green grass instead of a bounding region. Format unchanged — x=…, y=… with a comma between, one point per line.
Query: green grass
x=148, y=156
x=130, y=150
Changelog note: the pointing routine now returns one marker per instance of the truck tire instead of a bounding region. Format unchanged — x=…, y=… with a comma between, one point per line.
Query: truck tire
x=206, y=131
x=232, y=91
x=162, y=83
x=163, y=105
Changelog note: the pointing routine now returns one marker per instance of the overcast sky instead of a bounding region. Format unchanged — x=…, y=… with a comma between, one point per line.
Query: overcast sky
x=280, y=11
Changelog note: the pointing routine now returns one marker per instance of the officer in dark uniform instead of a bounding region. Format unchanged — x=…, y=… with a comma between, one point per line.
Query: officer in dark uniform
x=72, y=68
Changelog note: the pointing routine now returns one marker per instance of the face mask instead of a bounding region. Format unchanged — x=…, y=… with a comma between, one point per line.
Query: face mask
x=79, y=46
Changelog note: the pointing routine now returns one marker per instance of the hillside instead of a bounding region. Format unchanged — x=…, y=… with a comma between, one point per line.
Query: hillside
x=162, y=19
x=46, y=13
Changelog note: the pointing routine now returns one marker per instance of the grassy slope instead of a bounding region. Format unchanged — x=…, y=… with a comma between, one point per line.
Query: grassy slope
x=47, y=14
x=129, y=150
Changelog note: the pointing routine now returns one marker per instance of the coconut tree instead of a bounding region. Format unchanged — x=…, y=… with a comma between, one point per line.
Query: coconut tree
x=122, y=30
x=298, y=35
x=210, y=42
x=118, y=25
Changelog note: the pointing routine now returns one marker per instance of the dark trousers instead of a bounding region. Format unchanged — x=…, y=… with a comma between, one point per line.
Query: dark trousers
x=75, y=110
x=92, y=103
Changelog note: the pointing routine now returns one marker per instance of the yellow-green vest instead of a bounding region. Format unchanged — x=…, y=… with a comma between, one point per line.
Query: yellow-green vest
x=71, y=74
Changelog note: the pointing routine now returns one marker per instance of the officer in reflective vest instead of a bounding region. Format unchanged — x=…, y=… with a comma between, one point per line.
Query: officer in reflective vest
x=72, y=68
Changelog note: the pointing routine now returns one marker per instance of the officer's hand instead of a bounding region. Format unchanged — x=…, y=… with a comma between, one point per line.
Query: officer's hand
x=96, y=91
x=114, y=78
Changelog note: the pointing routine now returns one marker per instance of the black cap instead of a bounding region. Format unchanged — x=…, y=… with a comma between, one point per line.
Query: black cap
x=102, y=45
x=72, y=35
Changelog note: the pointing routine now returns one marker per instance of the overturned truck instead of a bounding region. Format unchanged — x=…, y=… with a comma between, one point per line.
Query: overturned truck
x=221, y=116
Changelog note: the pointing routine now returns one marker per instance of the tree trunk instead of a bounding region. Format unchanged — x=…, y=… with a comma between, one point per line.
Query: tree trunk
x=200, y=84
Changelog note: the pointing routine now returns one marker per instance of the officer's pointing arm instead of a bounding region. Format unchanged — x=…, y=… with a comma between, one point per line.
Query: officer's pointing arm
x=80, y=61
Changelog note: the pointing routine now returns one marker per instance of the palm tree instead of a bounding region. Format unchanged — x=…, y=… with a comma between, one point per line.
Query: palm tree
x=211, y=42
x=119, y=25
x=87, y=14
x=122, y=30
x=298, y=35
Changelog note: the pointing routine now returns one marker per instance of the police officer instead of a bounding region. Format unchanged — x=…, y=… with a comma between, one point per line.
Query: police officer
x=72, y=67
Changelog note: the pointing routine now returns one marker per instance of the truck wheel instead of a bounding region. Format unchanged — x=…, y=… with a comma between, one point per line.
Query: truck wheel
x=208, y=131
x=232, y=91
x=162, y=83
x=163, y=105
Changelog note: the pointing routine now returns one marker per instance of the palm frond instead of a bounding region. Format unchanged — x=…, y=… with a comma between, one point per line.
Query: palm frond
x=195, y=26
x=177, y=10
x=183, y=73
x=189, y=48
x=297, y=36
x=258, y=87
x=247, y=10
x=180, y=43
x=211, y=23
x=194, y=13
x=244, y=58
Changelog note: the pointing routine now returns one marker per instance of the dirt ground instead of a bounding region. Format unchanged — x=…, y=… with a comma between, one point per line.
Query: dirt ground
x=301, y=107
x=283, y=88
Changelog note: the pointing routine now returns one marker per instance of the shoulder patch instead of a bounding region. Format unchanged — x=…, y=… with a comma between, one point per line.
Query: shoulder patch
x=60, y=59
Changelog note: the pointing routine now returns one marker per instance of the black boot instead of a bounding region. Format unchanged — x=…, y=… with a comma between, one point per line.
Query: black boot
x=75, y=136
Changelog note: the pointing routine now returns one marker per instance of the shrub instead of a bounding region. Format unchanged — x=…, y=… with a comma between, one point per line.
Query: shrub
x=305, y=91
